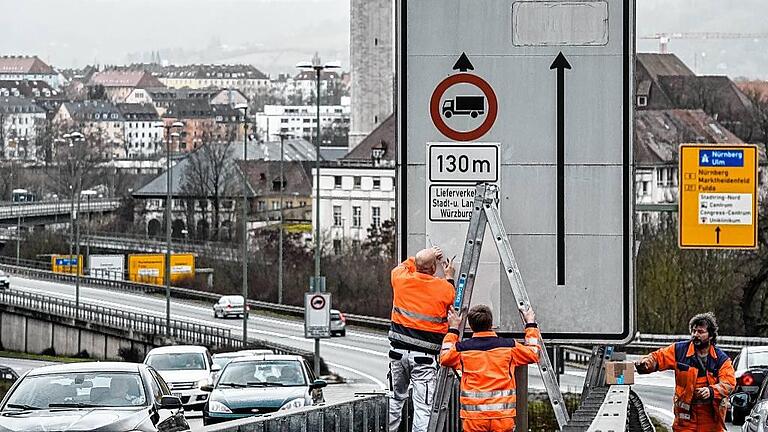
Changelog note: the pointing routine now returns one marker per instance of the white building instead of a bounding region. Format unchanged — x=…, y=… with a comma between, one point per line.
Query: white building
x=299, y=120
x=246, y=78
x=143, y=130
x=20, y=120
x=25, y=68
x=351, y=200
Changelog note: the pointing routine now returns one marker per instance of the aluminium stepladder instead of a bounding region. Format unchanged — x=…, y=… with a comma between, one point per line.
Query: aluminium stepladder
x=485, y=213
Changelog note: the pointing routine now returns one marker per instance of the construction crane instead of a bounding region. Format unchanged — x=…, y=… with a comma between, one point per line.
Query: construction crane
x=665, y=38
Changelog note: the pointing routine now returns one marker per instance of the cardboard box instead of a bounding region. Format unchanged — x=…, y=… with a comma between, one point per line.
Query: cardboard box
x=619, y=372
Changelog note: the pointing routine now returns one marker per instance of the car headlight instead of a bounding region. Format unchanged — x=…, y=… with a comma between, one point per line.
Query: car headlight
x=203, y=382
x=291, y=404
x=218, y=407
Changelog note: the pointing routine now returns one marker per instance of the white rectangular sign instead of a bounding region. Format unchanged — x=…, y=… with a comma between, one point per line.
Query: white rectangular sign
x=450, y=203
x=463, y=164
x=317, y=315
x=536, y=97
x=110, y=267
x=725, y=208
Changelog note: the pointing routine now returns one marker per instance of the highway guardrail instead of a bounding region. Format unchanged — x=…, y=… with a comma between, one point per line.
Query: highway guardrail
x=573, y=353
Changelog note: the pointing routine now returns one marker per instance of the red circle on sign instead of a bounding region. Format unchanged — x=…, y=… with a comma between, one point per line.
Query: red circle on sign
x=434, y=107
x=317, y=302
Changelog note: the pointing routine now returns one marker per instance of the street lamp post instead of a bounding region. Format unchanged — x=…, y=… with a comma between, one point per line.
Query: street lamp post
x=318, y=67
x=168, y=215
x=244, y=107
x=283, y=136
x=75, y=137
x=18, y=220
x=88, y=194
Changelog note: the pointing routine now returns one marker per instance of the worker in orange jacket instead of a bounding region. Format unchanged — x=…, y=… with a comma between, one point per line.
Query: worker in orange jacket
x=487, y=364
x=704, y=377
x=419, y=321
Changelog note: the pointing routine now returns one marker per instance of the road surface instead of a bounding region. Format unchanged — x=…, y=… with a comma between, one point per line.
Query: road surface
x=360, y=357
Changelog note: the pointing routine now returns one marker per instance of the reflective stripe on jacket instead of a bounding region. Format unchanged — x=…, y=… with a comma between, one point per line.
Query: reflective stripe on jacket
x=419, y=308
x=681, y=357
x=487, y=363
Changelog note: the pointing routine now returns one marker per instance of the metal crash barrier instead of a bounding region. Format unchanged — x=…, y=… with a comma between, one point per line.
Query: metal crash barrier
x=364, y=413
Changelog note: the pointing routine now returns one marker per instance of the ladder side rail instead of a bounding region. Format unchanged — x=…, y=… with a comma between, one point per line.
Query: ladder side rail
x=446, y=379
x=521, y=298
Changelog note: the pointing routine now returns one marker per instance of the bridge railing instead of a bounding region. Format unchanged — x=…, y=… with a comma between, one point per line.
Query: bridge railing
x=117, y=318
x=44, y=208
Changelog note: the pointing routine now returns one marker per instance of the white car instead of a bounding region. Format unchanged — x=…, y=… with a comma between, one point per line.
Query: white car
x=220, y=360
x=5, y=281
x=185, y=368
x=230, y=305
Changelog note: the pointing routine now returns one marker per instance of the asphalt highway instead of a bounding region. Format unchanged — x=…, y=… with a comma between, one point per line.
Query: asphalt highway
x=360, y=357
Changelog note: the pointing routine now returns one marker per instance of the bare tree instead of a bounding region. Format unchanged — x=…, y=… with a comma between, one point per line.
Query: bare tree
x=210, y=174
x=760, y=112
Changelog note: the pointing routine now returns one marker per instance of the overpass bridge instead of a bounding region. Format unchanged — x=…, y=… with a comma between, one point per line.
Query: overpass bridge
x=38, y=212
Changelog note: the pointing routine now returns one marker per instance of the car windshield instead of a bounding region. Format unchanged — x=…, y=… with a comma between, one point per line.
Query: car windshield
x=177, y=361
x=262, y=373
x=222, y=361
x=759, y=358
x=78, y=390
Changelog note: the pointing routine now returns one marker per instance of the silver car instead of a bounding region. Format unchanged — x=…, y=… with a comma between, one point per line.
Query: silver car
x=338, y=323
x=230, y=305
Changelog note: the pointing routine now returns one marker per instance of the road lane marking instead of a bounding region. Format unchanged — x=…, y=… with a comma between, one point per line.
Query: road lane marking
x=379, y=383
x=220, y=325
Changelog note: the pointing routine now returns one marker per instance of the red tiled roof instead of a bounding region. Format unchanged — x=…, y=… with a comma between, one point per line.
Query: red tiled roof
x=24, y=65
x=119, y=78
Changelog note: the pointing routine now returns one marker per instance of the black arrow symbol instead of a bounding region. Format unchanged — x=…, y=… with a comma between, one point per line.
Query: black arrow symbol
x=463, y=64
x=717, y=235
x=561, y=64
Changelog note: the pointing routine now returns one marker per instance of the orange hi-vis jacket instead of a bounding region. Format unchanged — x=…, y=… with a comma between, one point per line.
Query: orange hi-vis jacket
x=487, y=363
x=717, y=374
x=419, y=309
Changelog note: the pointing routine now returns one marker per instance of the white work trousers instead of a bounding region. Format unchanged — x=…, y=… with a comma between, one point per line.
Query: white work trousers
x=419, y=371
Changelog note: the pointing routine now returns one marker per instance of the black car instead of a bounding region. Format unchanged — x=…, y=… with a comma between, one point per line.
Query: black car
x=751, y=367
x=106, y=396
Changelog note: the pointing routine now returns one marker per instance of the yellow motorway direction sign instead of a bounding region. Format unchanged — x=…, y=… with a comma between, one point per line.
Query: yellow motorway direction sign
x=718, y=197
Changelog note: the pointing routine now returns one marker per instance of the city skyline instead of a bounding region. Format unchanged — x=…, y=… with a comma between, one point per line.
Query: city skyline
x=275, y=34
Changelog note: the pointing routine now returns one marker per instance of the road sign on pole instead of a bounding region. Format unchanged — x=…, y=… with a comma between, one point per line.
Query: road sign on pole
x=547, y=85
x=718, y=197
x=317, y=315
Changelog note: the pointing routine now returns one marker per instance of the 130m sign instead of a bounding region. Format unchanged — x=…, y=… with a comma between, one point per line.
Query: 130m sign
x=460, y=163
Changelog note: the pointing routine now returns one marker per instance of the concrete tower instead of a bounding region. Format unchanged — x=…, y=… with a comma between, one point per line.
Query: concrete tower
x=371, y=56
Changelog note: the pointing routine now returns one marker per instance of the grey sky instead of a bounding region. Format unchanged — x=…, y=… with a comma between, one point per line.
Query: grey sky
x=77, y=32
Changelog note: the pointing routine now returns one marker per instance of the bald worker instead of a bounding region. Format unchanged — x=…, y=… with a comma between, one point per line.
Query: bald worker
x=419, y=322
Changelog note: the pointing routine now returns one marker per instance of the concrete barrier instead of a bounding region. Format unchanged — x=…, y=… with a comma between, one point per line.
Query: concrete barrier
x=364, y=413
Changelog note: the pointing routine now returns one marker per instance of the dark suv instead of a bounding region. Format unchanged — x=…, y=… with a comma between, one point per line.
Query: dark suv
x=751, y=367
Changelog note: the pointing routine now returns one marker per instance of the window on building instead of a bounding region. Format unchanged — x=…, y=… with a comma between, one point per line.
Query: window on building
x=356, y=213
x=302, y=203
x=660, y=177
x=289, y=204
x=337, y=246
x=275, y=205
x=376, y=216
x=337, y=182
x=642, y=101
x=356, y=245
x=337, y=216
x=357, y=182
x=376, y=183
x=261, y=205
